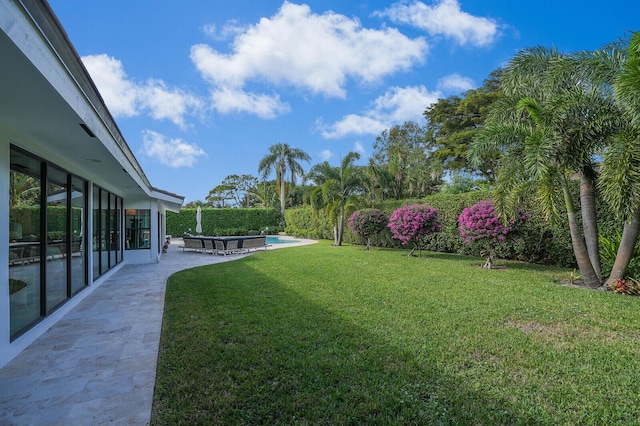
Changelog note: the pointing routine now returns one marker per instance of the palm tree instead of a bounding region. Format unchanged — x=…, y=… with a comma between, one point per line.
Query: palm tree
x=23, y=189
x=620, y=183
x=265, y=193
x=552, y=123
x=336, y=186
x=283, y=158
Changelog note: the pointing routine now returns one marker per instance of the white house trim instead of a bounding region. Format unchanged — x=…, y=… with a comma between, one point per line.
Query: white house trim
x=51, y=110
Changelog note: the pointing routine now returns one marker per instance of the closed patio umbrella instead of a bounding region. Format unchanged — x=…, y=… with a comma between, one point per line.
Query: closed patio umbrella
x=199, y=220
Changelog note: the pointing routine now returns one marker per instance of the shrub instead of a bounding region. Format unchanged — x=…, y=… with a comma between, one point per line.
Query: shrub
x=237, y=221
x=609, y=251
x=625, y=286
x=410, y=224
x=367, y=222
x=482, y=227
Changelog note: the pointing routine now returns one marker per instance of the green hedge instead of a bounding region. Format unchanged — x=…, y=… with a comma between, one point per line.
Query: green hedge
x=537, y=241
x=29, y=219
x=224, y=221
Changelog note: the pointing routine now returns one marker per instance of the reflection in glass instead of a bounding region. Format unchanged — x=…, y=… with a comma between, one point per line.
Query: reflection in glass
x=56, y=243
x=114, y=236
x=104, y=231
x=78, y=273
x=95, y=237
x=138, y=223
x=24, y=241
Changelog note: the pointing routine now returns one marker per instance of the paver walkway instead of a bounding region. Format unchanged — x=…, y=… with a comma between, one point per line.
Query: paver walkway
x=97, y=365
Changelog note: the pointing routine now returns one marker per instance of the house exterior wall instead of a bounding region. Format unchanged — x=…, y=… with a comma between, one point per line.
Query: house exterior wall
x=45, y=123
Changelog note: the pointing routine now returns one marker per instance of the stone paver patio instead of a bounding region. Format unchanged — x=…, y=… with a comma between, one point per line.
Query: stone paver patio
x=97, y=365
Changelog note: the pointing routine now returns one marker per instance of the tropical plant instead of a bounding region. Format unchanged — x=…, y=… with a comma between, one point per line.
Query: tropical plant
x=265, y=194
x=625, y=286
x=620, y=183
x=23, y=189
x=411, y=223
x=399, y=163
x=609, y=248
x=481, y=226
x=282, y=159
x=336, y=186
x=452, y=124
x=552, y=124
x=367, y=222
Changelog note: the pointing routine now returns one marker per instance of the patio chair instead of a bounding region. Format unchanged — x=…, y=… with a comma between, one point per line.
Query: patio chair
x=208, y=247
x=220, y=247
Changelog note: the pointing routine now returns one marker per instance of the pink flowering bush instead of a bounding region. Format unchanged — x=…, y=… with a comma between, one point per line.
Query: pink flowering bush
x=482, y=227
x=367, y=222
x=410, y=224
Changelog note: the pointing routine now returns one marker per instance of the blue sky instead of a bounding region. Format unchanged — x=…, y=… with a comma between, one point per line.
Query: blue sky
x=200, y=89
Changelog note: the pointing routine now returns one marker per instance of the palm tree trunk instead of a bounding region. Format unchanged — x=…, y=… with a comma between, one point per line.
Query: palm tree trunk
x=340, y=224
x=627, y=246
x=590, y=221
x=579, y=248
x=282, y=196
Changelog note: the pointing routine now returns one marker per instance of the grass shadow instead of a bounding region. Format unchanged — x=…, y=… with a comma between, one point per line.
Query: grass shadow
x=240, y=346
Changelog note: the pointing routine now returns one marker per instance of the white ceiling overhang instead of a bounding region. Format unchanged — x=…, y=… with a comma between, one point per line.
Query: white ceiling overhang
x=49, y=102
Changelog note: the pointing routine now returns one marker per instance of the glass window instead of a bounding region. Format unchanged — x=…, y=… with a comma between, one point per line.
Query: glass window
x=78, y=264
x=114, y=229
x=48, y=247
x=104, y=231
x=138, y=229
x=96, y=235
x=56, y=241
x=24, y=241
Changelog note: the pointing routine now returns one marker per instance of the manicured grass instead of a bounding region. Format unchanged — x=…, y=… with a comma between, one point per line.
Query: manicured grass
x=338, y=335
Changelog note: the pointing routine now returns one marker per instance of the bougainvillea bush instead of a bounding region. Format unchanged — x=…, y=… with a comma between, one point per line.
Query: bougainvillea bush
x=411, y=223
x=483, y=228
x=367, y=222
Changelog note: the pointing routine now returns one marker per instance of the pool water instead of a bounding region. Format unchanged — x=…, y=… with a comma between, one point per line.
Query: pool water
x=277, y=240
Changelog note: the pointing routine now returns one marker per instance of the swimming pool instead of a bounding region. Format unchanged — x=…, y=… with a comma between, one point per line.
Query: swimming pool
x=278, y=240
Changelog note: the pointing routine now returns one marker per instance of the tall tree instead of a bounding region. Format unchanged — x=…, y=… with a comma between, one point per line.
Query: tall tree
x=399, y=162
x=265, y=193
x=282, y=159
x=336, y=186
x=237, y=188
x=453, y=122
x=620, y=183
x=552, y=124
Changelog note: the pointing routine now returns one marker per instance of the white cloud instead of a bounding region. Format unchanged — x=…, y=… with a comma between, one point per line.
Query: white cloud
x=359, y=148
x=455, y=83
x=397, y=105
x=170, y=152
x=445, y=18
x=230, y=30
x=353, y=124
x=126, y=98
x=228, y=100
x=317, y=53
x=325, y=155
x=117, y=91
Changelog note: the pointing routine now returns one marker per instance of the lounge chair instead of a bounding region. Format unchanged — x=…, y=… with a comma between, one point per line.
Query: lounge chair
x=193, y=244
x=208, y=247
x=220, y=247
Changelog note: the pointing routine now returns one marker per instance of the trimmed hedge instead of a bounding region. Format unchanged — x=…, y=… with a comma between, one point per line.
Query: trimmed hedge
x=216, y=222
x=536, y=242
x=29, y=219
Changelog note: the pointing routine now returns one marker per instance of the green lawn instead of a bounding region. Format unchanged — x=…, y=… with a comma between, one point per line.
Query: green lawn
x=338, y=335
